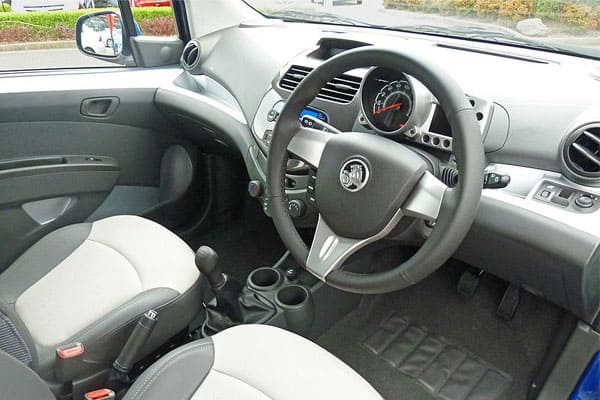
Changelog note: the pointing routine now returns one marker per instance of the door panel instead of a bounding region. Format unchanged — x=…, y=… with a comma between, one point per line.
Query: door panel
x=41, y=193
x=137, y=150
x=69, y=154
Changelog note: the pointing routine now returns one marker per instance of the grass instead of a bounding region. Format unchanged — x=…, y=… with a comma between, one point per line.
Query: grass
x=51, y=19
x=60, y=25
x=569, y=15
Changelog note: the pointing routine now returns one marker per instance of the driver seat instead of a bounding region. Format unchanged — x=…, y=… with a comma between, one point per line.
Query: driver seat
x=245, y=362
x=89, y=283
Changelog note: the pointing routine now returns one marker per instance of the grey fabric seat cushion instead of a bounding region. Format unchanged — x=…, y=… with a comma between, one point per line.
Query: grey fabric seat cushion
x=17, y=381
x=90, y=282
x=251, y=362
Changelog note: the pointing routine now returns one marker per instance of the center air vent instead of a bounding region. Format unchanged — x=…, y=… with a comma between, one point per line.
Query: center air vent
x=582, y=153
x=339, y=90
x=191, y=55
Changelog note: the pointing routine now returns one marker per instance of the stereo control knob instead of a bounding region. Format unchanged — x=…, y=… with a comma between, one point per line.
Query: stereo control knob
x=584, y=201
x=296, y=208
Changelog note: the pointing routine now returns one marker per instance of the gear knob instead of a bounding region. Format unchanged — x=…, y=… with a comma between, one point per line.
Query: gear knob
x=207, y=261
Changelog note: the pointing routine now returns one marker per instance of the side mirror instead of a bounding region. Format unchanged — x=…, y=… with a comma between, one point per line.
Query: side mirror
x=100, y=35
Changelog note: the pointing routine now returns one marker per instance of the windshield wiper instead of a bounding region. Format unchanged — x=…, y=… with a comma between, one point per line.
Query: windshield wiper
x=481, y=34
x=321, y=17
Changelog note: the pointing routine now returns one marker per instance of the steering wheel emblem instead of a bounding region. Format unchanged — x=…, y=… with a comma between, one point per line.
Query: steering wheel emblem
x=354, y=175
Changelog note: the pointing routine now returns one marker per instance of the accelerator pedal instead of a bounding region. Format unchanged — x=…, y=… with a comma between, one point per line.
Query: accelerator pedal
x=509, y=303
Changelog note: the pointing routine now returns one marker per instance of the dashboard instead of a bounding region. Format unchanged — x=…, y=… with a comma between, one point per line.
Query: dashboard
x=539, y=218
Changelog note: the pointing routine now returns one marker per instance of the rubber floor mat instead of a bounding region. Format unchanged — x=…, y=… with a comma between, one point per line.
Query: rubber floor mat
x=471, y=327
x=444, y=369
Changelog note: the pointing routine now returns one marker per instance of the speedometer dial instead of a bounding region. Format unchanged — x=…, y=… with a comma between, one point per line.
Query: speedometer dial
x=393, y=106
x=388, y=101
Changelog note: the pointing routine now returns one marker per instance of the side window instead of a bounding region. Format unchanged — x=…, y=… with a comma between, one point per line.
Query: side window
x=40, y=34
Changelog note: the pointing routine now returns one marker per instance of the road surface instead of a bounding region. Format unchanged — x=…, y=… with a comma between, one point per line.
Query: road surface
x=47, y=58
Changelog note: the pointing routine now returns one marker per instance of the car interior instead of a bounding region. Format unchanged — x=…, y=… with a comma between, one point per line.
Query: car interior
x=269, y=208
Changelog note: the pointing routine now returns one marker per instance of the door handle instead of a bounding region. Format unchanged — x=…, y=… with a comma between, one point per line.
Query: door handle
x=99, y=107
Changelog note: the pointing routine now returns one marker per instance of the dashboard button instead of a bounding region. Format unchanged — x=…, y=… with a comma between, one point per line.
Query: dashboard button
x=272, y=115
x=545, y=194
x=267, y=138
x=266, y=207
x=290, y=183
x=561, y=201
x=292, y=274
x=255, y=188
x=584, y=201
x=296, y=208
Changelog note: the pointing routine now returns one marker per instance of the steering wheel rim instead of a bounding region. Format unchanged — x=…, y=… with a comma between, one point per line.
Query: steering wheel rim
x=457, y=206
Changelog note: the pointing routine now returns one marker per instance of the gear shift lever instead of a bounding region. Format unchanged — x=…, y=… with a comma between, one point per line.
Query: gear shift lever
x=234, y=303
x=226, y=289
x=207, y=261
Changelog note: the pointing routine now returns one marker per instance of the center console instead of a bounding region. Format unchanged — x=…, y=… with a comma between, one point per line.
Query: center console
x=270, y=296
x=283, y=295
x=292, y=299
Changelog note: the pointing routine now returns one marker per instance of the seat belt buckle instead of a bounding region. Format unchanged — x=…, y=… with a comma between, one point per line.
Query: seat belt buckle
x=100, y=394
x=70, y=351
x=69, y=360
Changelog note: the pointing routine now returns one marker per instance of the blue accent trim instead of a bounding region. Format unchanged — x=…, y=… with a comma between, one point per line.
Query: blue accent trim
x=315, y=113
x=588, y=387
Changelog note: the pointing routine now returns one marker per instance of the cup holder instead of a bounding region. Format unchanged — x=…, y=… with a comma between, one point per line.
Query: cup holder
x=265, y=279
x=298, y=310
x=292, y=296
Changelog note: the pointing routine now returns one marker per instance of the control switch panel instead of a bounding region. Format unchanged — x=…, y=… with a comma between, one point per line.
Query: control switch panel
x=567, y=197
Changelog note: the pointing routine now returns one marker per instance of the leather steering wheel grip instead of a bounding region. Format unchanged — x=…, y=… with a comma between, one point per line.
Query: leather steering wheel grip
x=460, y=204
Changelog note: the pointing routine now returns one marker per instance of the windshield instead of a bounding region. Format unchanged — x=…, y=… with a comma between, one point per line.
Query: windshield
x=565, y=26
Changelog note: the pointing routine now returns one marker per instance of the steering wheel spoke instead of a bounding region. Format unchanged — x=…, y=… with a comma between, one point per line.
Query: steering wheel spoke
x=426, y=199
x=329, y=250
x=308, y=144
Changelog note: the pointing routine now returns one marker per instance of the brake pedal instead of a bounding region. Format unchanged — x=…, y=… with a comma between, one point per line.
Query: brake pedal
x=509, y=303
x=468, y=283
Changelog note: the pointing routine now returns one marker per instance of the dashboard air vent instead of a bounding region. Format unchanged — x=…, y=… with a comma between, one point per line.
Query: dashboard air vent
x=339, y=90
x=190, y=57
x=582, y=153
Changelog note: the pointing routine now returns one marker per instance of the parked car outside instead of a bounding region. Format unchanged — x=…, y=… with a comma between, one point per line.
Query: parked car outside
x=44, y=5
x=103, y=3
x=151, y=3
x=104, y=40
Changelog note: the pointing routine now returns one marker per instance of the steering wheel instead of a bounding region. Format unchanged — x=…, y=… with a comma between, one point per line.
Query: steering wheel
x=367, y=183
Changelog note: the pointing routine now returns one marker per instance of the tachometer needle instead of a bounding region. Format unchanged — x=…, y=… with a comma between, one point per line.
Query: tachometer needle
x=387, y=108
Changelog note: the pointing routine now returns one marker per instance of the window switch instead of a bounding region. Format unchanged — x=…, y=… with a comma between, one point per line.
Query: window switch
x=561, y=201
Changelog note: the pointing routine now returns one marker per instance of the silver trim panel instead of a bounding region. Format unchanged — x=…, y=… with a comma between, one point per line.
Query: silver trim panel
x=329, y=250
x=426, y=198
x=308, y=144
x=92, y=79
x=525, y=183
x=45, y=211
x=194, y=96
x=260, y=124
